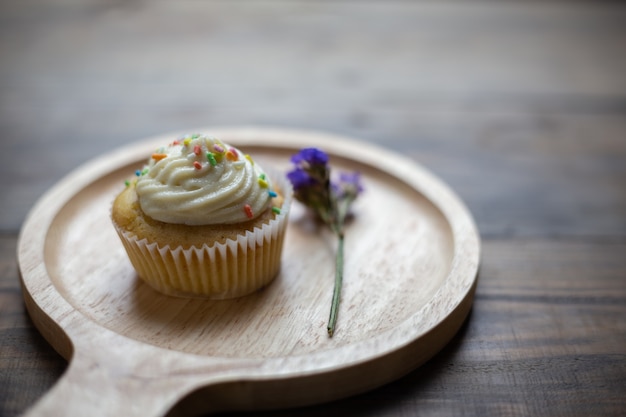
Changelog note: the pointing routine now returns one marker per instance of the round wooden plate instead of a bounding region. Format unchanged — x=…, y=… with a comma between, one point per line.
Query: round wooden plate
x=412, y=254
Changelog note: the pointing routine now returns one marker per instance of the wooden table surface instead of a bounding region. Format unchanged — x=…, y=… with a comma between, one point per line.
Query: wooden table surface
x=519, y=107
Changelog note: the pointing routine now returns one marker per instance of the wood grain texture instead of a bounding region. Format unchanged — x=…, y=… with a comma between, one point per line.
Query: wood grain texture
x=533, y=344
x=520, y=107
x=457, y=85
x=28, y=365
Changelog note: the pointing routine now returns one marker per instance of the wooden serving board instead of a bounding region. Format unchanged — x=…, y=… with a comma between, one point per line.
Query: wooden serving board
x=412, y=254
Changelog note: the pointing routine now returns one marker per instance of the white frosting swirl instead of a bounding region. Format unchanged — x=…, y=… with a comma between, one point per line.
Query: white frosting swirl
x=199, y=180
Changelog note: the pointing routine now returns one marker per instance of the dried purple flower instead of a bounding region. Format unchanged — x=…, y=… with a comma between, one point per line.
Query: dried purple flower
x=329, y=201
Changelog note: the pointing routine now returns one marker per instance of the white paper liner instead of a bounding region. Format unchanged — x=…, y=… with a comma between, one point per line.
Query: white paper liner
x=237, y=267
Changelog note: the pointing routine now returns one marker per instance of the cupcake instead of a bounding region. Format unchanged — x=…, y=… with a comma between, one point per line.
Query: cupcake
x=202, y=219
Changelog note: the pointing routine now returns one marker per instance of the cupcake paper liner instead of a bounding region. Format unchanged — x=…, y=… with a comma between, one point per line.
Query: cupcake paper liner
x=237, y=267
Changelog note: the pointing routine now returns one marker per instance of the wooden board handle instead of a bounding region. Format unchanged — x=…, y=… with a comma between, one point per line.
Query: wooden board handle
x=91, y=387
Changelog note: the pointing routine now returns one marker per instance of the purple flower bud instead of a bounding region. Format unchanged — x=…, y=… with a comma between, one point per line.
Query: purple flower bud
x=312, y=156
x=300, y=178
x=350, y=182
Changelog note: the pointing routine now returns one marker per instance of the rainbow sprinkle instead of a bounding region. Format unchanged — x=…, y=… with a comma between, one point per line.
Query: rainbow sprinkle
x=211, y=158
x=196, y=150
x=197, y=165
x=159, y=156
x=276, y=210
x=248, y=211
x=272, y=193
x=231, y=155
x=262, y=183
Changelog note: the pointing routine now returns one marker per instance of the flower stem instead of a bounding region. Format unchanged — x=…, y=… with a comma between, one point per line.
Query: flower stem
x=332, y=320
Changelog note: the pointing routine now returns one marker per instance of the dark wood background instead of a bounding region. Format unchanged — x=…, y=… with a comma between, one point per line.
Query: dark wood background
x=520, y=107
